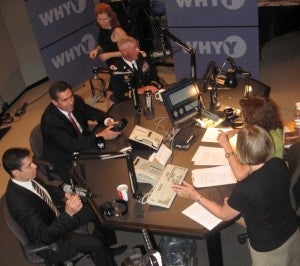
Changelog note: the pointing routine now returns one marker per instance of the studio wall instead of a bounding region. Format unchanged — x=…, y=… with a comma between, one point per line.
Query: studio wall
x=65, y=31
x=21, y=63
x=216, y=29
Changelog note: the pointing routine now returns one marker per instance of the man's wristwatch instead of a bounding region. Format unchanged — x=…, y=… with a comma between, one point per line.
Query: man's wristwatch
x=228, y=154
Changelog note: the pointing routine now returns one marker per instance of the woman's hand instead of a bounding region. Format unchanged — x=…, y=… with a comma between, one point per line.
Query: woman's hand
x=94, y=53
x=224, y=141
x=186, y=190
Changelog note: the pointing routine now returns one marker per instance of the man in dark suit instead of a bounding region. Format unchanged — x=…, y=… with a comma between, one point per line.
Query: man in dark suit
x=132, y=70
x=39, y=217
x=65, y=130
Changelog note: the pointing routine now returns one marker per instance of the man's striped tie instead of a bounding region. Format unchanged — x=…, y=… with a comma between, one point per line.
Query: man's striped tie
x=45, y=197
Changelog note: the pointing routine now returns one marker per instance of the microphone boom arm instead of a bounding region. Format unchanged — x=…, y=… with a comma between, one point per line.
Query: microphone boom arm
x=114, y=155
x=185, y=47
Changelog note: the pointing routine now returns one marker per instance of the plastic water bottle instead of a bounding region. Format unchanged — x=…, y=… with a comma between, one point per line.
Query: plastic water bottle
x=297, y=116
x=148, y=110
x=148, y=100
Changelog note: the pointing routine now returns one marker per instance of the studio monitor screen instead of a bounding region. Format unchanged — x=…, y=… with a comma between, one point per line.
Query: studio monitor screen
x=181, y=100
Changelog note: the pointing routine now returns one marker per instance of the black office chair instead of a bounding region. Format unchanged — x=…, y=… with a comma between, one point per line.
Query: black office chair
x=31, y=250
x=36, y=144
x=293, y=160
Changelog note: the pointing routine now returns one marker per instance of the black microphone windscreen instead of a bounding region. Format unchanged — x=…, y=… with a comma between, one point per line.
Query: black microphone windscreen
x=49, y=165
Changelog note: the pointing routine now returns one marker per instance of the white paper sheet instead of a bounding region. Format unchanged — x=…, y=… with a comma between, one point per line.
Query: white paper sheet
x=162, y=156
x=202, y=216
x=213, y=176
x=209, y=156
x=211, y=135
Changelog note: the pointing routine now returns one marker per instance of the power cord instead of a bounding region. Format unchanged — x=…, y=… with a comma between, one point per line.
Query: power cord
x=7, y=118
x=22, y=110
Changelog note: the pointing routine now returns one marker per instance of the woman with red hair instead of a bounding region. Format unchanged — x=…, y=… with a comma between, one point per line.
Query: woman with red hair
x=110, y=33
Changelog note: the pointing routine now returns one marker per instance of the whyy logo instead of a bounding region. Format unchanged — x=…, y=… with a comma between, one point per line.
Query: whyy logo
x=233, y=46
x=229, y=4
x=61, y=11
x=87, y=43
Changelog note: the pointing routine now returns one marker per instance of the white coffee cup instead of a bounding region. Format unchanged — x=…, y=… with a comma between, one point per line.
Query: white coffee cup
x=123, y=192
x=158, y=96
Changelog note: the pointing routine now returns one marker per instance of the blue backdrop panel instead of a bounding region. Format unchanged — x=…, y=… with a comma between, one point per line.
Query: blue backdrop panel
x=240, y=43
x=202, y=13
x=68, y=58
x=54, y=19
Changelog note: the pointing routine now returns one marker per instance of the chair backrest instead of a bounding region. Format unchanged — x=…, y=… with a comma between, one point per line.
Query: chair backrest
x=293, y=159
x=37, y=147
x=19, y=233
x=36, y=142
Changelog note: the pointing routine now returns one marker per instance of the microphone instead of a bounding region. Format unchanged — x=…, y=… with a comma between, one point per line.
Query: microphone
x=49, y=165
x=82, y=192
x=236, y=68
x=160, y=54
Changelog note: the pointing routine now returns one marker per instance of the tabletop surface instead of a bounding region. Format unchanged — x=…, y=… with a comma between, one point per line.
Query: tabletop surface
x=105, y=175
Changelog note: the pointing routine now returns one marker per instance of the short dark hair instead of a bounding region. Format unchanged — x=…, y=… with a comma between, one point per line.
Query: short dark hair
x=12, y=159
x=57, y=87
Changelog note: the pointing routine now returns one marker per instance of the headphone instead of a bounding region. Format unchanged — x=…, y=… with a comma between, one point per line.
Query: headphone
x=116, y=208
